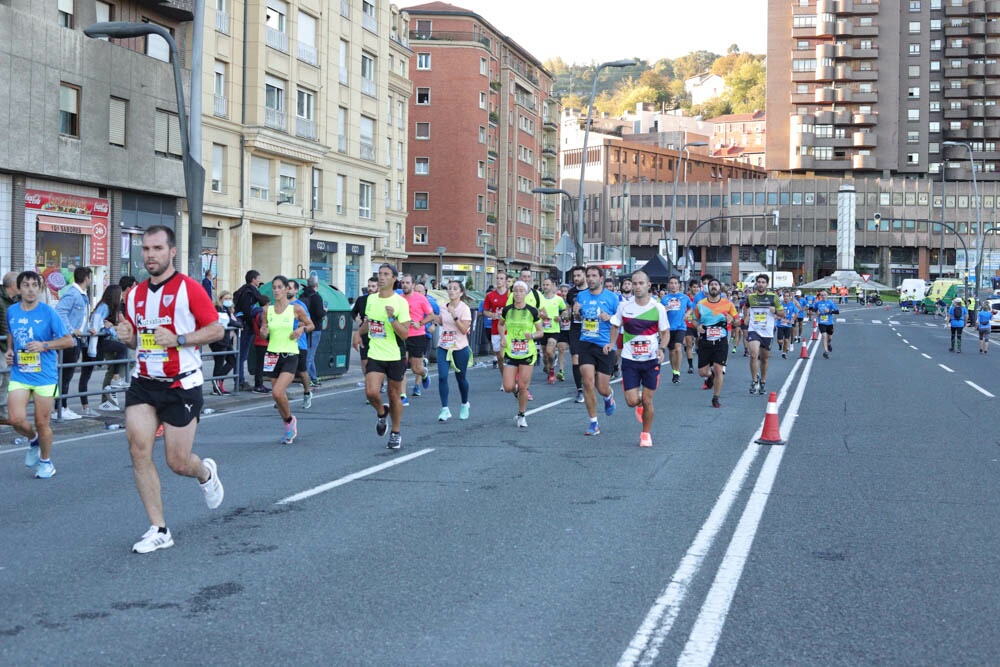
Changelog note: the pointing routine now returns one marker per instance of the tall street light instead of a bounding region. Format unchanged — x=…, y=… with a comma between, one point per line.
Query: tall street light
x=671, y=243
x=979, y=222
x=485, y=238
x=194, y=173
x=583, y=154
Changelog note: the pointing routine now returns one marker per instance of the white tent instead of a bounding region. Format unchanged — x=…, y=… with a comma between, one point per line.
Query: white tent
x=849, y=279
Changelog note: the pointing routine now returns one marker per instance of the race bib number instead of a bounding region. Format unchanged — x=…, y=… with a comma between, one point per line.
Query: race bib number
x=547, y=323
x=149, y=351
x=591, y=326
x=759, y=318
x=640, y=349
x=270, y=361
x=715, y=333
x=564, y=325
x=376, y=329
x=518, y=348
x=674, y=304
x=448, y=339
x=29, y=362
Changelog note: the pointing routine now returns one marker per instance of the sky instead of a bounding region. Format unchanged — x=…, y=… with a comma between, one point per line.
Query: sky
x=585, y=31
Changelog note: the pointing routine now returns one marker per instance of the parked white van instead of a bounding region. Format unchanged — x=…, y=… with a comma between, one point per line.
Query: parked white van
x=912, y=289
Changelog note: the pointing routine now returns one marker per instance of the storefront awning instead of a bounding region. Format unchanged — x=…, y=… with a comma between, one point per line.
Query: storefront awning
x=52, y=223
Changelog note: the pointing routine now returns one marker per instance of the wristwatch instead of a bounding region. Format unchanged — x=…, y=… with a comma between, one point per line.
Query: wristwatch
x=181, y=340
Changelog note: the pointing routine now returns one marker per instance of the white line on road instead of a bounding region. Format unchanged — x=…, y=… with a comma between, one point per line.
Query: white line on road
x=906, y=341
x=899, y=334
x=309, y=493
x=876, y=321
x=914, y=347
x=930, y=324
x=946, y=368
x=925, y=355
x=979, y=389
x=549, y=405
x=841, y=319
x=893, y=322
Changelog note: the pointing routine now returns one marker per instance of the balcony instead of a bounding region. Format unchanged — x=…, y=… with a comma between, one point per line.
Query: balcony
x=977, y=49
x=449, y=36
x=396, y=37
x=549, y=149
x=305, y=128
x=844, y=95
x=844, y=73
x=826, y=7
x=548, y=231
x=525, y=101
x=275, y=119
x=866, y=54
x=843, y=28
x=369, y=87
x=956, y=51
x=993, y=111
x=951, y=9
x=956, y=30
x=221, y=108
x=548, y=205
x=222, y=22
x=276, y=39
x=549, y=123
x=977, y=132
x=844, y=51
x=825, y=95
x=494, y=118
x=548, y=177
x=864, y=75
x=976, y=110
x=825, y=28
x=865, y=140
x=841, y=117
x=495, y=86
x=367, y=152
x=824, y=73
x=864, y=162
x=826, y=50
x=823, y=118
x=307, y=54
x=956, y=72
x=955, y=114
x=802, y=162
x=369, y=23
x=864, y=119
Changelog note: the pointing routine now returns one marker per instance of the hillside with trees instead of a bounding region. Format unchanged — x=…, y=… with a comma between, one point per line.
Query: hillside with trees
x=662, y=83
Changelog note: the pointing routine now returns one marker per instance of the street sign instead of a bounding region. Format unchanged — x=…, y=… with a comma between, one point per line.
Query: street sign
x=866, y=276
x=770, y=256
x=565, y=252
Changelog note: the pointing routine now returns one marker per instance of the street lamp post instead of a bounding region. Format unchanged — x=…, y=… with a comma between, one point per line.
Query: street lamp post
x=194, y=173
x=774, y=257
x=671, y=243
x=583, y=154
x=485, y=238
x=979, y=222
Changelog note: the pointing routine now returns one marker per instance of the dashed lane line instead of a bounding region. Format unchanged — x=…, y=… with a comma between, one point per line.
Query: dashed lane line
x=925, y=355
x=979, y=389
x=946, y=368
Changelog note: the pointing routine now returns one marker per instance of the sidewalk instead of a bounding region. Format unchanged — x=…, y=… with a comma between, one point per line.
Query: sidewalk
x=213, y=403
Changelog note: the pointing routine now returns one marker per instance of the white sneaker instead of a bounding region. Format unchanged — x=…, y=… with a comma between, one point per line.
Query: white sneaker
x=152, y=540
x=444, y=415
x=120, y=383
x=89, y=412
x=522, y=421
x=108, y=406
x=69, y=415
x=214, y=493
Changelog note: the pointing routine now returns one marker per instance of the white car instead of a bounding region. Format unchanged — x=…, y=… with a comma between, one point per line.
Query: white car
x=994, y=303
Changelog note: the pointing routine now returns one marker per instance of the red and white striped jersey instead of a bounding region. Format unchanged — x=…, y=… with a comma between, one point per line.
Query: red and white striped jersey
x=181, y=305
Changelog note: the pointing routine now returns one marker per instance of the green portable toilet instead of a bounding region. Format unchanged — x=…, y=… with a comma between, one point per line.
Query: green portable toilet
x=333, y=356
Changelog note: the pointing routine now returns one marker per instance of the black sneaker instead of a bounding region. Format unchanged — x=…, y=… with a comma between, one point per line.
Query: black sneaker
x=826, y=355
x=760, y=389
x=395, y=441
x=382, y=424
x=690, y=370
x=261, y=390
x=676, y=379
x=784, y=355
x=715, y=402
x=754, y=386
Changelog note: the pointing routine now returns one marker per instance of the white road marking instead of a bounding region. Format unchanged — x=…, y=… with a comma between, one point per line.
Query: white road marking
x=979, y=389
x=946, y=368
x=893, y=322
x=914, y=347
x=645, y=645
x=906, y=341
x=876, y=321
x=925, y=355
x=704, y=637
x=930, y=324
x=841, y=319
x=549, y=405
x=316, y=490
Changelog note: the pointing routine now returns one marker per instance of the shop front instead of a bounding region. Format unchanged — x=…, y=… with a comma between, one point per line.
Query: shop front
x=323, y=260
x=352, y=271
x=63, y=232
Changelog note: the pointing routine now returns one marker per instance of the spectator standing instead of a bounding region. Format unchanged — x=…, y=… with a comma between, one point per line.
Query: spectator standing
x=104, y=341
x=207, y=282
x=317, y=313
x=248, y=301
x=8, y=297
x=224, y=363
x=74, y=311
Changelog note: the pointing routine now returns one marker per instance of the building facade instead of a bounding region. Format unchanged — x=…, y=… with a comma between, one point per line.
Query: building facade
x=877, y=88
x=91, y=154
x=483, y=134
x=740, y=137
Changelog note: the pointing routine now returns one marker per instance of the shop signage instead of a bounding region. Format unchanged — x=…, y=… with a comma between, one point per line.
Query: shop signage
x=355, y=249
x=322, y=246
x=90, y=218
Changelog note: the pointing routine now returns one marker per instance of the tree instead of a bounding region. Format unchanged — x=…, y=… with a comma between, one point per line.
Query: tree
x=746, y=87
x=693, y=63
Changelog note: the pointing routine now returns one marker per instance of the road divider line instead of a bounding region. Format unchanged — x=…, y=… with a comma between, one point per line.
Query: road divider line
x=316, y=490
x=946, y=368
x=549, y=405
x=979, y=389
x=925, y=355
x=914, y=347
x=906, y=341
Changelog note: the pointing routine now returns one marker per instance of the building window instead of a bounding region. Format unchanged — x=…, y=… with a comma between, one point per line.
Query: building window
x=913, y=71
x=307, y=39
x=482, y=134
x=117, y=111
x=368, y=84
x=260, y=178
x=913, y=93
x=220, y=107
x=423, y=95
x=367, y=138
x=913, y=158
x=339, y=194
x=482, y=100
x=422, y=166
x=274, y=103
x=167, y=134
x=480, y=203
x=823, y=152
x=369, y=20
x=934, y=105
x=156, y=46
x=481, y=169
x=423, y=61
x=913, y=114
x=935, y=65
x=914, y=5
x=914, y=27
x=400, y=115
x=218, y=160
x=275, y=29
x=344, y=69
x=420, y=201
x=423, y=131
x=484, y=66
x=420, y=235
x=287, y=174
x=104, y=14
x=221, y=16
x=65, y=13
x=305, y=110
x=912, y=137
x=365, y=190
x=914, y=49
x=317, y=188
x=934, y=127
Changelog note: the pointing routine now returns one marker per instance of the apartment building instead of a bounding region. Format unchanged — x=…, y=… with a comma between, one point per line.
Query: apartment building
x=877, y=88
x=483, y=134
x=304, y=138
x=740, y=137
x=91, y=150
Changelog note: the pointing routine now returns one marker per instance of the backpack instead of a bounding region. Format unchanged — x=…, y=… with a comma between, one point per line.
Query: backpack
x=956, y=313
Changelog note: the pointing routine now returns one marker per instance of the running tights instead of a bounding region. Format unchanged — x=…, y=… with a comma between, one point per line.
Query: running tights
x=461, y=358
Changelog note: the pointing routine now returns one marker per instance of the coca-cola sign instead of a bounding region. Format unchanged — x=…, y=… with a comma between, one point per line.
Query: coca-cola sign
x=55, y=202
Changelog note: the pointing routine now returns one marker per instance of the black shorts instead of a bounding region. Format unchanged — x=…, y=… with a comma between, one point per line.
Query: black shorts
x=394, y=370
x=546, y=337
x=592, y=354
x=712, y=352
x=563, y=337
x=784, y=333
x=174, y=406
x=287, y=363
x=677, y=337
x=640, y=373
x=416, y=346
x=520, y=361
x=303, y=358
x=765, y=341
x=574, y=338
x=826, y=329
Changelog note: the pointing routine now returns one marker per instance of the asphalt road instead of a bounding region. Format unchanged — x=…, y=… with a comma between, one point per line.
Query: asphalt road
x=868, y=539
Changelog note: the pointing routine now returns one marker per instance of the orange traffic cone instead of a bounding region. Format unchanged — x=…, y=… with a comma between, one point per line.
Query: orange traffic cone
x=771, y=435
x=804, y=354
x=815, y=331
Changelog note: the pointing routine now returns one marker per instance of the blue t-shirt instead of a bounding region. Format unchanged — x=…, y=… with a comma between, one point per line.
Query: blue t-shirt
x=677, y=305
x=302, y=340
x=594, y=329
x=826, y=309
x=42, y=324
x=791, y=314
x=984, y=318
x=437, y=311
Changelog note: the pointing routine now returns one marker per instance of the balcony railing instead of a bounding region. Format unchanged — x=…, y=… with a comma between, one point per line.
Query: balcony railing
x=369, y=23
x=525, y=101
x=341, y=143
x=369, y=87
x=449, y=36
x=222, y=22
x=276, y=39
x=368, y=152
x=345, y=76
x=305, y=128
x=548, y=178
x=307, y=53
x=221, y=108
x=345, y=8
x=395, y=37
x=275, y=118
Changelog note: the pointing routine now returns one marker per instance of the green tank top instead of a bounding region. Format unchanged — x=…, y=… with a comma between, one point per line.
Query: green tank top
x=280, y=327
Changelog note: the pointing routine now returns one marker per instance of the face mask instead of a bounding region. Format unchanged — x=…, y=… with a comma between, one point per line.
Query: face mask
x=227, y=303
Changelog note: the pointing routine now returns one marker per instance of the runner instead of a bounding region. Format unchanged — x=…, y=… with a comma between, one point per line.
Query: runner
x=562, y=346
x=645, y=336
x=167, y=317
x=283, y=325
x=416, y=342
x=34, y=333
x=628, y=289
x=492, y=305
x=579, y=285
x=740, y=326
x=551, y=310
x=677, y=305
x=983, y=322
x=694, y=289
x=520, y=327
x=453, y=349
x=761, y=309
x=802, y=316
x=594, y=307
x=387, y=325
x=786, y=325
x=825, y=309
x=956, y=319
x=711, y=316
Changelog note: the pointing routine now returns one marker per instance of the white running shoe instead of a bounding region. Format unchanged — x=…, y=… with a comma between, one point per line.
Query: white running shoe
x=214, y=493
x=89, y=412
x=444, y=415
x=69, y=415
x=120, y=383
x=522, y=421
x=108, y=406
x=152, y=540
